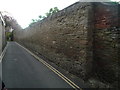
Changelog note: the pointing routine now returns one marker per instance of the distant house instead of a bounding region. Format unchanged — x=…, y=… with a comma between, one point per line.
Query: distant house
x=2, y=33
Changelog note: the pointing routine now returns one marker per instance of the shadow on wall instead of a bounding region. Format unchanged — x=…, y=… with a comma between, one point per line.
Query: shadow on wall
x=106, y=42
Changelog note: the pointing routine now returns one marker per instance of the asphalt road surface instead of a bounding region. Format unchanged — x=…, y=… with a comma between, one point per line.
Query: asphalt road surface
x=22, y=70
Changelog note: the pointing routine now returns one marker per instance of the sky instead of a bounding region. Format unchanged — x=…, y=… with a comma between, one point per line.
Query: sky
x=26, y=10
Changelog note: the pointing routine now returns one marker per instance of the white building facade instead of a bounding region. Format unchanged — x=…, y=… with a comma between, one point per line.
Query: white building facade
x=2, y=34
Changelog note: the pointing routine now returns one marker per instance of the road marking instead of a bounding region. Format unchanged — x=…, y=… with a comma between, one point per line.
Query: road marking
x=3, y=53
x=72, y=84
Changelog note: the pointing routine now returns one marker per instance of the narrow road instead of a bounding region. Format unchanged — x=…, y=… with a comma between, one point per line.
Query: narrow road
x=22, y=70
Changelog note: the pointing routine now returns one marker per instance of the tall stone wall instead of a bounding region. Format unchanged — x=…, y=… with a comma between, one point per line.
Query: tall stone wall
x=63, y=38
x=82, y=38
x=106, y=42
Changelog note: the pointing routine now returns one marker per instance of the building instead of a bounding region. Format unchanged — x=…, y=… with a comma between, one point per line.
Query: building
x=2, y=34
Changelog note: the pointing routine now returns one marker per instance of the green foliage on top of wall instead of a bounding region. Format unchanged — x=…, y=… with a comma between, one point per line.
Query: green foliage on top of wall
x=49, y=13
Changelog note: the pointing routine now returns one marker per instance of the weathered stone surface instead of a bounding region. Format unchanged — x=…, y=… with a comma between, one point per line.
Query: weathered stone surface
x=81, y=38
x=62, y=37
x=106, y=42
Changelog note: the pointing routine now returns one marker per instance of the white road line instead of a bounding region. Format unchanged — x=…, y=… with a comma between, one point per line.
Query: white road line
x=3, y=53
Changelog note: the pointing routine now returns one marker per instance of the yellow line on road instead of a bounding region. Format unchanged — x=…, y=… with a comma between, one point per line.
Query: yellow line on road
x=72, y=84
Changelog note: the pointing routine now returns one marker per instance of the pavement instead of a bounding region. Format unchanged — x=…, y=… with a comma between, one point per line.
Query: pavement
x=21, y=70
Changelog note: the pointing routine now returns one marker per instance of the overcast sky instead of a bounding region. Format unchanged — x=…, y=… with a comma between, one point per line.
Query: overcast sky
x=25, y=10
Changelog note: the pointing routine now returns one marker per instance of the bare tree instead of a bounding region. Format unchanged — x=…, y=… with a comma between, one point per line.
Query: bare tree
x=10, y=22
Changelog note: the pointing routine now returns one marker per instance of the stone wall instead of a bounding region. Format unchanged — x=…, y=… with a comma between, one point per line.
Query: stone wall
x=63, y=38
x=80, y=38
x=106, y=42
